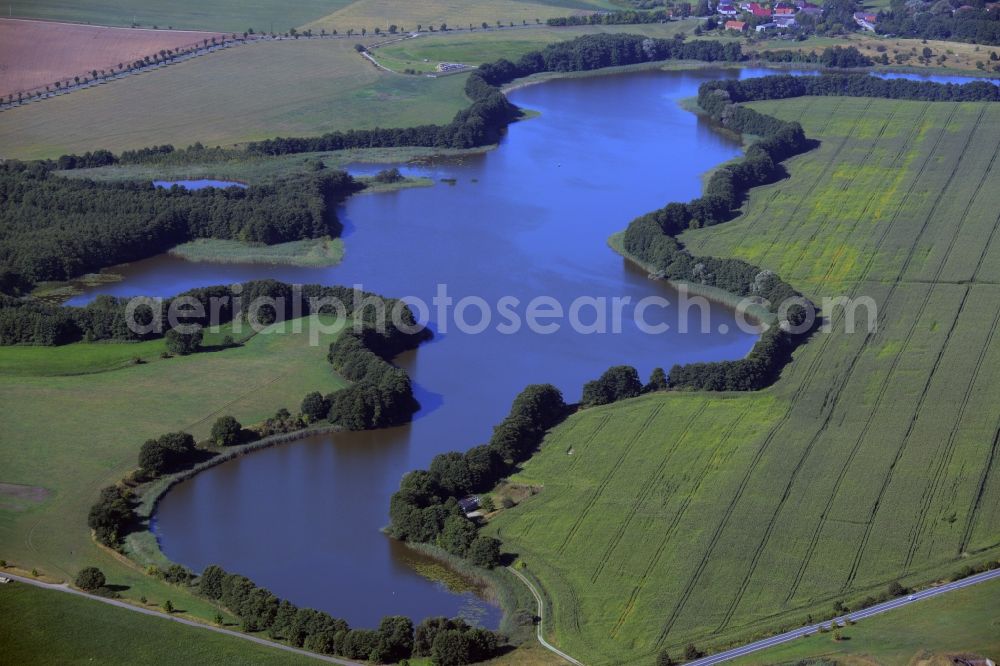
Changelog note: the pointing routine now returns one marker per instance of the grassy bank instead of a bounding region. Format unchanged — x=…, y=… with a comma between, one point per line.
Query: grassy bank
x=718, y=518
x=255, y=171
x=312, y=252
x=72, y=435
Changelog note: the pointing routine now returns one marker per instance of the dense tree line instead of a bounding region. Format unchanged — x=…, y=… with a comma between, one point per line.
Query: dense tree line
x=381, y=394
x=425, y=509
x=834, y=56
x=970, y=24
x=54, y=228
x=167, y=453
x=447, y=642
x=617, y=383
x=26, y=321
x=652, y=239
x=591, y=52
x=478, y=125
x=612, y=18
x=847, y=85
x=111, y=517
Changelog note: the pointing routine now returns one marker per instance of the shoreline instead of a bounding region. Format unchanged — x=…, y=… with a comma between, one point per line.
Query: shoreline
x=142, y=546
x=756, y=313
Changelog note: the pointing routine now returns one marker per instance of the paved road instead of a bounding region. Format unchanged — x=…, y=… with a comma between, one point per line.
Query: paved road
x=147, y=611
x=541, y=618
x=860, y=615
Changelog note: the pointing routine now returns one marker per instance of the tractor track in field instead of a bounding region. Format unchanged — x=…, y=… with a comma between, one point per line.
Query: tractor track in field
x=672, y=526
x=822, y=178
x=646, y=490
x=829, y=406
x=607, y=478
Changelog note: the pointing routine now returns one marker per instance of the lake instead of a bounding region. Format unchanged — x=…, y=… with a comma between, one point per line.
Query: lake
x=199, y=184
x=527, y=219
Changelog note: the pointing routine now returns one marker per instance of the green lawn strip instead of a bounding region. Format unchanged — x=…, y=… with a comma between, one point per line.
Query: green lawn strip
x=46, y=626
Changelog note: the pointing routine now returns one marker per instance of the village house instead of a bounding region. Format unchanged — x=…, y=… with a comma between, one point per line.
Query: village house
x=726, y=9
x=738, y=26
x=865, y=20
x=759, y=10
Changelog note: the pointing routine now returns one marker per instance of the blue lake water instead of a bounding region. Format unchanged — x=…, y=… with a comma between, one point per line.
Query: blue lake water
x=199, y=184
x=529, y=218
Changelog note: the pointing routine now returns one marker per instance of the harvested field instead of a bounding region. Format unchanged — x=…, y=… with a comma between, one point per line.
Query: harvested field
x=36, y=53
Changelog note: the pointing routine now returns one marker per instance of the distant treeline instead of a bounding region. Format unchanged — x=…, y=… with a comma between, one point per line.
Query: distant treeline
x=835, y=56
x=975, y=25
x=849, y=85
x=54, y=228
x=425, y=509
x=612, y=18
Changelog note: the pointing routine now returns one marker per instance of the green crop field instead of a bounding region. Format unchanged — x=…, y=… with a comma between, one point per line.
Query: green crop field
x=964, y=622
x=48, y=627
x=259, y=91
x=62, y=438
x=713, y=518
x=222, y=15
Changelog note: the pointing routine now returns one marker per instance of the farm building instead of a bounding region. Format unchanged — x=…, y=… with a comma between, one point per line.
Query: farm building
x=469, y=504
x=865, y=20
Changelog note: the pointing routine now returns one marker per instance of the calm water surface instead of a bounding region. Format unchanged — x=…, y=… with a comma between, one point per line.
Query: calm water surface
x=199, y=184
x=530, y=218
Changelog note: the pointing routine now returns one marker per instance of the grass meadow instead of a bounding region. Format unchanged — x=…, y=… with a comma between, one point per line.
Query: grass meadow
x=258, y=91
x=74, y=434
x=714, y=518
x=45, y=626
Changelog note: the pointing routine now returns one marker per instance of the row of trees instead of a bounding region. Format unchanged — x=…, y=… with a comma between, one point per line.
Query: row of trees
x=970, y=24
x=613, y=18
x=834, y=56
x=847, y=85
x=446, y=642
x=591, y=52
x=24, y=321
x=652, y=239
x=425, y=509
x=54, y=228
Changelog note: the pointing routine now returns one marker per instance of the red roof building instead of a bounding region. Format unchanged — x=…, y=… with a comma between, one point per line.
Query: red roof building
x=759, y=10
x=738, y=26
